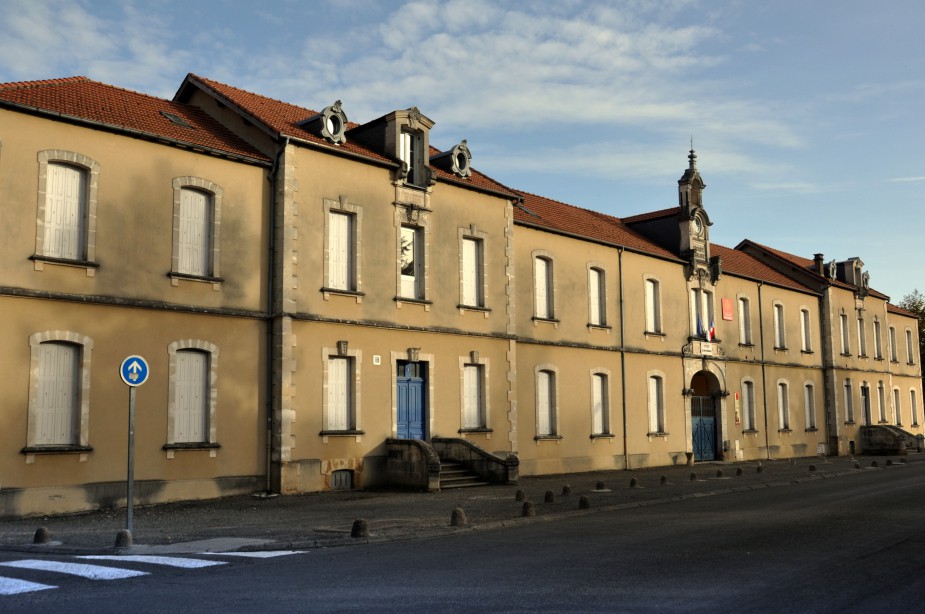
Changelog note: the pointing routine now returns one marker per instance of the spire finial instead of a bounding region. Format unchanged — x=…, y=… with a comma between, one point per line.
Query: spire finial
x=692, y=157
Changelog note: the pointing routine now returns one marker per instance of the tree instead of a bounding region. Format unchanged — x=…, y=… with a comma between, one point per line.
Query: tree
x=915, y=303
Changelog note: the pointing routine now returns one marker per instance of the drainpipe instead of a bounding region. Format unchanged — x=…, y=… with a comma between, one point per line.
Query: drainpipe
x=626, y=456
x=764, y=379
x=271, y=299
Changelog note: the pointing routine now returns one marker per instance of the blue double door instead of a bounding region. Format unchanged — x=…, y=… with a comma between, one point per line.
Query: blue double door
x=411, y=388
x=703, y=427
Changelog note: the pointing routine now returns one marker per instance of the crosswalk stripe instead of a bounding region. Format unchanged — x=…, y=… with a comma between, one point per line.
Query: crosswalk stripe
x=91, y=572
x=170, y=561
x=12, y=586
x=268, y=554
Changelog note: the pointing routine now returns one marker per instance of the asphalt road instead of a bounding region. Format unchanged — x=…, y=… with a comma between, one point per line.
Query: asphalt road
x=853, y=543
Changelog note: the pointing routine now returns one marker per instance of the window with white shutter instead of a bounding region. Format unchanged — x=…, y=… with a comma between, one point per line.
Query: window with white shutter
x=340, y=251
x=543, y=288
x=653, y=307
x=195, y=238
x=65, y=221
x=58, y=397
x=192, y=390
x=656, y=405
x=600, y=405
x=472, y=273
x=596, y=297
x=545, y=403
x=340, y=394
x=473, y=397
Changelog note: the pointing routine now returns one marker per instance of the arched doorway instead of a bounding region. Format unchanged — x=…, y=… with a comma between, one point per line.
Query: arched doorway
x=705, y=416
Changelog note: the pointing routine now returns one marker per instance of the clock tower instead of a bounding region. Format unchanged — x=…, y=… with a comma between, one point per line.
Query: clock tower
x=693, y=221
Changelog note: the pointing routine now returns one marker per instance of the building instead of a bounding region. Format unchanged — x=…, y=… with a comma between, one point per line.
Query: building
x=326, y=304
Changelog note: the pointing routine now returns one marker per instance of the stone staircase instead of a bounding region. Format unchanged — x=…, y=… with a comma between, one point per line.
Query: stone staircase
x=457, y=475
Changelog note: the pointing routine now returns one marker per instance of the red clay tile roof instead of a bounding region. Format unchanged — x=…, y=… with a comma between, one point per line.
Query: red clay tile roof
x=808, y=265
x=652, y=215
x=745, y=265
x=561, y=217
x=282, y=118
x=891, y=308
x=81, y=99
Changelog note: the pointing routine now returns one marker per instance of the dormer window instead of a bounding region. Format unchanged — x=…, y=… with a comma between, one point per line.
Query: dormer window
x=330, y=124
x=456, y=160
x=411, y=154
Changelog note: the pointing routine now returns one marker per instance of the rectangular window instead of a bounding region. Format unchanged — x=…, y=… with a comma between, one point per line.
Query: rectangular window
x=894, y=355
x=748, y=405
x=472, y=273
x=412, y=262
x=865, y=404
x=849, y=402
x=596, y=296
x=341, y=414
x=411, y=154
x=702, y=313
x=656, y=405
x=653, y=307
x=543, y=291
x=845, y=343
x=810, y=404
x=881, y=399
x=58, y=394
x=473, y=397
x=878, y=342
x=341, y=275
x=779, y=337
x=65, y=212
x=745, y=322
x=191, y=409
x=910, y=352
x=600, y=405
x=897, y=407
x=805, y=332
x=862, y=338
x=913, y=410
x=545, y=403
x=195, y=238
x=783, y=407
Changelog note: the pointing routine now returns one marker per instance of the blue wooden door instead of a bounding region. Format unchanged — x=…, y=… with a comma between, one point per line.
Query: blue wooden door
x=410, y=387
x=703, y=427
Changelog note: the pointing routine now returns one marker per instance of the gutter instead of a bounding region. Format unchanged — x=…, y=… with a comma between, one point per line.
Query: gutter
x=764, y=380
x=626, y=454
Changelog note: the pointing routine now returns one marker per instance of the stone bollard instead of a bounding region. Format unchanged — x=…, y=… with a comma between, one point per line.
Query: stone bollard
x=584, y=502
x=528, y=510
x=663, y=480
x=719, y=473
x=600, y=485
x=566, y=490
x=550, y=497
x=874, y=464
x=42, y=536
x=693, y=477
x=739, y=471
x=760, y=469
x=123, y=538
x=458, y=518
x=812, y=468
x=360, y=528
x=889, y=462
x=634, y=483
x=904, y=461
x=520, y=495
x=857, y=465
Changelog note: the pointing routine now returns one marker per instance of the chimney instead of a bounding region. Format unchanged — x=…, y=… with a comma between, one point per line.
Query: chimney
x=818, y=264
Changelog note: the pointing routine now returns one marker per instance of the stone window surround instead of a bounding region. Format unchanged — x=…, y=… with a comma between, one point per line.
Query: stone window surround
x=356, y=357
x=605, y=418
x=472, y=232
x=344, y=206
x=475, y=358
x=203, y=346
x=216, y=193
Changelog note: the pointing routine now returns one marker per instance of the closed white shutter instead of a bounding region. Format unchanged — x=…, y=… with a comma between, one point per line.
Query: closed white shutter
x=594, y=295
x=472, y=397
x=897, y=406
x=748, y=405
x=655, y=405
x=783, y=406
x=339, y=251
x=57, y=394
x=598, y=404
x=653, y=324
x=544, y=403
x=65, y=206
x=411, y=266
x=192, y=402
x=195, y=241
x=745, y=325
x=339, y=394
x=471, y=273
x=810, y=404
x=541, y=276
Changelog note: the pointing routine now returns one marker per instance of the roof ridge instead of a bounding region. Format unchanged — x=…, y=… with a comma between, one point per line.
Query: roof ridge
x=12, y=85
x=212, y=82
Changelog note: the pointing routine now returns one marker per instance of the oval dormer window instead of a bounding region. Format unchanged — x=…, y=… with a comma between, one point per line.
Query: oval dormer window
x=461, y=157
x=334, y=123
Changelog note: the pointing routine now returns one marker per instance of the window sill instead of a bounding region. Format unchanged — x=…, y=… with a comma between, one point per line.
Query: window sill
x=807, y=352
x=863, y=356
x=480, y=429
x=883, y=422
x=414, y=301
x=598, y=326
x=657, y=434
x=40, y=262
x=340, y=292
x=812, y=429
x=895, y=362
x=781, y=349
x=473, y=308
x=547, y=438
x=176, y=277
x=549, y=320
x=59, y=449
x=878, y=358
x=192, y=445
x=850, y=422
x=750, y=431
x=602, y=436
x=345, y=433
x=652, y=333
x=846, y=355
x=786, y=430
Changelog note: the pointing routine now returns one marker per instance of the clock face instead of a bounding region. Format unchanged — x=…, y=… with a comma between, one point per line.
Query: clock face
x=698, y=225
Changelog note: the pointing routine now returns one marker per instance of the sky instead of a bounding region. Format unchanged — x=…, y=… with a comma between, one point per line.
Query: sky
x=806, y=115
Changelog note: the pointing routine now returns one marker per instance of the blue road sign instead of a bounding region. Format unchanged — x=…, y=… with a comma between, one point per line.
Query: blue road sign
x=134, y=371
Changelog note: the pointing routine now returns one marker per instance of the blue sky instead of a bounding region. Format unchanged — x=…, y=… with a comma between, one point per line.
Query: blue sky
x=807, y=116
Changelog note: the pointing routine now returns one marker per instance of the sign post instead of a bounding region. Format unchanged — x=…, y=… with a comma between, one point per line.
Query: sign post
x=134, y=372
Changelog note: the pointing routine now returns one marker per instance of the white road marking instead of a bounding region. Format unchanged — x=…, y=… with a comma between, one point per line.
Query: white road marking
x=91, y=572
x=12, y=586
x=268, y=554
x=170, y=561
